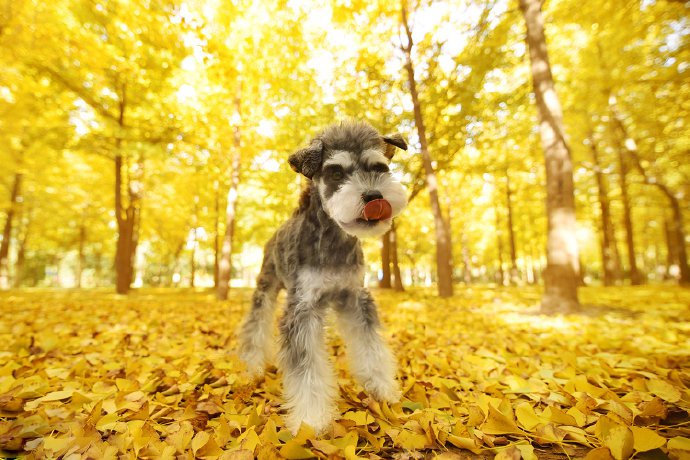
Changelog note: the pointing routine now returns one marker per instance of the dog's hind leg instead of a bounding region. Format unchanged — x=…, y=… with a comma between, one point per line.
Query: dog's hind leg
x=309, y=384
x=256, y=341
x=371, y=361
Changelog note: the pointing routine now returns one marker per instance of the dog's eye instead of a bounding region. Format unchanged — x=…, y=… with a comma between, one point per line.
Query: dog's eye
x=337, y=174
x=380, y=168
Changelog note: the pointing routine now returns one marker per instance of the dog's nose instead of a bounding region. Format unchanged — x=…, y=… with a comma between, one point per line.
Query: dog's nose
x=371, y=196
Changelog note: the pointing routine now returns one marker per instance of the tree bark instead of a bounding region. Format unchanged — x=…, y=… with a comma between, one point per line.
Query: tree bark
x=225, y=263
x=562, y=268
x=385, y=281
x=192, y=256
x=610, y=257
x=635, y=275
x=397, y=277
x=676, y=224
x=80, y=253
x=216, y=234
x=127, y=217
x=514, y=274
x=7, y=230
x=444, y=247
x=499, y=248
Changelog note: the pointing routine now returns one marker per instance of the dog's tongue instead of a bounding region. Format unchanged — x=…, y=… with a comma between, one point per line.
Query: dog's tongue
x=377, y=210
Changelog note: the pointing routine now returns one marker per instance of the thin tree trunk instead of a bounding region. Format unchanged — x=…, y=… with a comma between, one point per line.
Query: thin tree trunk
x=126, y=216
x=561, y=276
x=225, y=263
x=21, y=252
x=610, y=258
x=216, y=234
x=80, y=253
x=499, y=248
x=385, y=281
x=671, y=249
x=192, y=257
x=397, y=277
x=466, y=259
x=444, y=247
x=635, y=275
x=7, y=230
x=514, y=274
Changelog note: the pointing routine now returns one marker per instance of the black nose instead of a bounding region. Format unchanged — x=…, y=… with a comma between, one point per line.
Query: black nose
x=371, y=196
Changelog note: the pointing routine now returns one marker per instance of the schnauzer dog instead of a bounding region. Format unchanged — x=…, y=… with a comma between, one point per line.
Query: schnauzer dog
x=316, y=256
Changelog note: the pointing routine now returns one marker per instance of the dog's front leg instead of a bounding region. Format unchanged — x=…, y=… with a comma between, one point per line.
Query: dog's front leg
x=309, y=383
x=371, y=361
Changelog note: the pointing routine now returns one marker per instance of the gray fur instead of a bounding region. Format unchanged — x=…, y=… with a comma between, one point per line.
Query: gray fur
x=320, y=264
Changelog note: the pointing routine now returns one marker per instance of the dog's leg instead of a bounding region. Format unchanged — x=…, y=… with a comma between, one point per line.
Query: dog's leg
x=256, y=342
x=371, y=361
x=309, y=383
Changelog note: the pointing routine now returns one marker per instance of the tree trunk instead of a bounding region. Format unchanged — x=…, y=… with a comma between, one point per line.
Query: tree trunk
x=80, y=253
x=514, y=274
x=444, y=247
x=21, y=252
x=466, y=259
x=500, y=279
x=225, y=263
x=671, y=249
x=562, y=267
x=635, y=275
x=216, y=234
x=127, y=217
x=397, y=277
x=610, y=258
x=192, y=256
x=385, y=281
x=7, y=230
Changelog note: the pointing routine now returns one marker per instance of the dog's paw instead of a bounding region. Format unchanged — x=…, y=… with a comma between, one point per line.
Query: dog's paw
x=381, y=390
x=254, y=361
x=319, y=420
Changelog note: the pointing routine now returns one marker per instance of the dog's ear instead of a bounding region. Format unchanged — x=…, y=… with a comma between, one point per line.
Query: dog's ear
x=307, y=161
x=393, y=140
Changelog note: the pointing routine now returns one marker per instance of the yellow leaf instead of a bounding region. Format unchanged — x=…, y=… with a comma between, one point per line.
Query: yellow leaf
x=293, y=450
x=498, y=423
x=509, y=453
x=410, y=440
x=324, y=446
x=56, y=444
x=107, y=422
x=664, y=390
x=646, y=439
x=361, y=418
x=679, y=443
x=557, y=416
x=618, y=438
x=464, y=443
x=200, y=440
x=600, y=453
x=526, y=416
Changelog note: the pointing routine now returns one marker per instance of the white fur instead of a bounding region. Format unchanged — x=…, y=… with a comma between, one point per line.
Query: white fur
x=310, y=396
x=256, y=337
x=345, y=206
x=340, y=157
x=372, y=157
x=370, y=359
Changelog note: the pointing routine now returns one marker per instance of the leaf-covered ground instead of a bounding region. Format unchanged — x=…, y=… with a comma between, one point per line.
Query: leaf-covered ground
x=153, y=375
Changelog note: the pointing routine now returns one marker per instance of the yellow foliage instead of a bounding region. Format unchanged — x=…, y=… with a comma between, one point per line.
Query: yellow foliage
x=155, y=375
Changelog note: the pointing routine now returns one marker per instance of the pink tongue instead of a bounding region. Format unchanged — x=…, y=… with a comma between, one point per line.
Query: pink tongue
x=377, y=210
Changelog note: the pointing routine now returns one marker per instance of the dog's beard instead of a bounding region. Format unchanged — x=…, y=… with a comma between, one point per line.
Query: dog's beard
x=345, y=206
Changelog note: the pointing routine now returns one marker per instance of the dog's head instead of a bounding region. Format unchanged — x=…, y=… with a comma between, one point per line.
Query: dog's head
x=348, y=162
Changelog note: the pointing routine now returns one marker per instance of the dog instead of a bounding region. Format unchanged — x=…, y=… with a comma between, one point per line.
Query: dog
x=317, y=258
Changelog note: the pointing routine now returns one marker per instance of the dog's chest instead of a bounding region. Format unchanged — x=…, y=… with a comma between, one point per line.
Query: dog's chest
x=317, y=282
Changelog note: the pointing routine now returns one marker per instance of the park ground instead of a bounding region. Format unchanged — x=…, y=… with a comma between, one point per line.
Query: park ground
x=89, y=374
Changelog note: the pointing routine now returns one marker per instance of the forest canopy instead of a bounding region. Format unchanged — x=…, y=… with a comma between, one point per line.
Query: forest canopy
x=145, y=142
